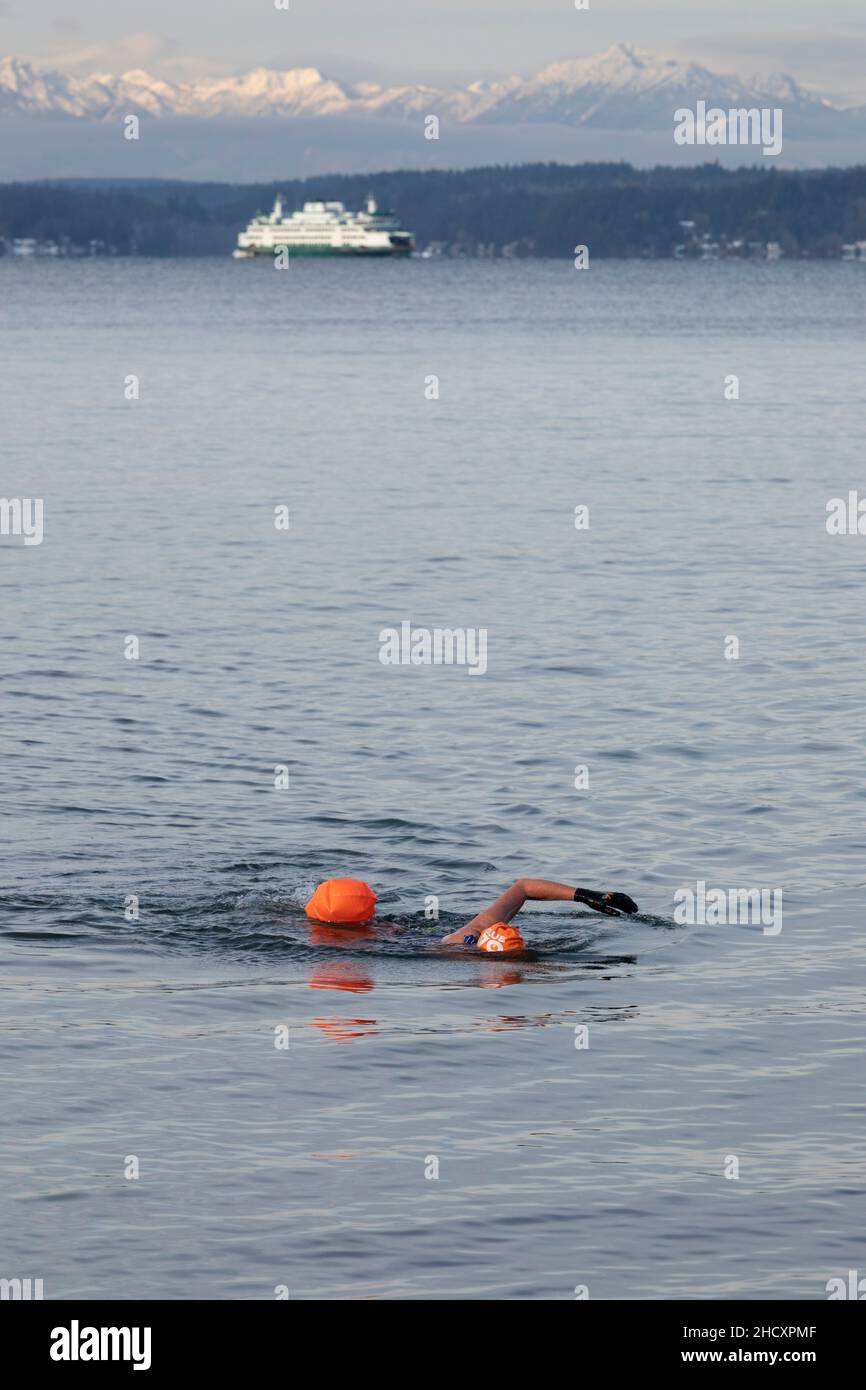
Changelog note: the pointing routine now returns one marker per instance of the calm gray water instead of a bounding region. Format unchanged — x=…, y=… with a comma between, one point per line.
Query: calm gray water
x=558, y=1165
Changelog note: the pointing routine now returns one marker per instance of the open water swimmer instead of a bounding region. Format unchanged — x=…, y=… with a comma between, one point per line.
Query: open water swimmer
x=351, y=902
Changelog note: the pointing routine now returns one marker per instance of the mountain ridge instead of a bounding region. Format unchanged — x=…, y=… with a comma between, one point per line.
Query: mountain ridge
x=624, y=88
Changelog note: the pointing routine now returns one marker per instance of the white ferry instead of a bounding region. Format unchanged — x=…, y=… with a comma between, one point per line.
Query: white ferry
x=325, y=229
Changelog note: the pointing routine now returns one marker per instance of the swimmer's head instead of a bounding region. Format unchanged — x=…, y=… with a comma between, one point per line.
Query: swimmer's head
x=501, y=937
x=347, y=901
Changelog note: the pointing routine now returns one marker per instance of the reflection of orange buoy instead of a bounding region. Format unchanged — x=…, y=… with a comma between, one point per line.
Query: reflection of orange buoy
x=339, y=936
x=340, y=975
x=345, y=1029
x=501, y=937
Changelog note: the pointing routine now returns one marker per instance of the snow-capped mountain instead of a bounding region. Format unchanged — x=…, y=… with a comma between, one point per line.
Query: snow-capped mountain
x=624, y=89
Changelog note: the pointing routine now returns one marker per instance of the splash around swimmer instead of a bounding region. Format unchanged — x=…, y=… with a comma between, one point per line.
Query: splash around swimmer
x=351, y=902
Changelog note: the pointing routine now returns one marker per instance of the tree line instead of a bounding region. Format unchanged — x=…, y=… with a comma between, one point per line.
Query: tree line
x=543, y=209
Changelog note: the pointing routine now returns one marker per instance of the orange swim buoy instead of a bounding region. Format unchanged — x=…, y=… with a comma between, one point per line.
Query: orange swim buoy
x=501, y=937
x=346, y=900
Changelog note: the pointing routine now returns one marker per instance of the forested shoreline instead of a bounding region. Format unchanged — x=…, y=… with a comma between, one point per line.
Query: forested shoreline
x=525, y=210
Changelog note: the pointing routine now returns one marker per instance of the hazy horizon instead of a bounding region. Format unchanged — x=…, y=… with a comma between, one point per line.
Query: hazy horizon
x=389, y=43
x=386, y=41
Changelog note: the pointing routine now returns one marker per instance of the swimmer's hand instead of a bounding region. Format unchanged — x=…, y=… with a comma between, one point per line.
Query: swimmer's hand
x=611, y=904
x=461, y=937
x=620, y=902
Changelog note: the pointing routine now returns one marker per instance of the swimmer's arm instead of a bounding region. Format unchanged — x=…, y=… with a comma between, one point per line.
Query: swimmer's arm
x=509, y=903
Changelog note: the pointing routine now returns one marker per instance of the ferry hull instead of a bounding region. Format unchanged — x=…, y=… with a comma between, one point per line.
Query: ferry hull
x=348, y=252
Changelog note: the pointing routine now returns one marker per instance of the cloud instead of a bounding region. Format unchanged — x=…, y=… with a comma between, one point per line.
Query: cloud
x=157, y=53
x=144, y=49
x=68, y=28
x=830, y=62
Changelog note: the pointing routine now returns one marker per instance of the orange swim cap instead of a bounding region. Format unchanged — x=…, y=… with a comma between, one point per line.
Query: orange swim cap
x=345, y=900
x=501, y=937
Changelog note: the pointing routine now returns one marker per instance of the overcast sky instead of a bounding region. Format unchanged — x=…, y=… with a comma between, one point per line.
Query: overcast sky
x=823, y=45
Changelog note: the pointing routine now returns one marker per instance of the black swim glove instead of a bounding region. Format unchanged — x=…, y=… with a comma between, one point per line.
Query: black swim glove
x=620, y=902
x=611, y=904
